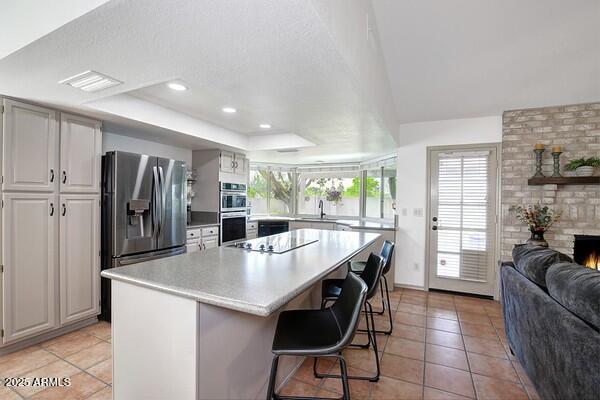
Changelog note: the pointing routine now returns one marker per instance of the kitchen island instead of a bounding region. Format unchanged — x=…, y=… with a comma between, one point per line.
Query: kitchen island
x=201, y=325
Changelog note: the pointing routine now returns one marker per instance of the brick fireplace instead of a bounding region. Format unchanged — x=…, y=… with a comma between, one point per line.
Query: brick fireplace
x=576, y=128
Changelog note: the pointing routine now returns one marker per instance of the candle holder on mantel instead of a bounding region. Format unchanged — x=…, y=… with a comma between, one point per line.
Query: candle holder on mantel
x=556, y=152
x=538, y=150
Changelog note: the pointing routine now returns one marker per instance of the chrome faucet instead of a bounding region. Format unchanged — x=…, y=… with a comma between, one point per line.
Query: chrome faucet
x=321, y=208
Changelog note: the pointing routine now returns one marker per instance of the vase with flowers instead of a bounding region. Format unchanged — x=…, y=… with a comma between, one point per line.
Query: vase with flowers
x=334, y=194
x=539, y=218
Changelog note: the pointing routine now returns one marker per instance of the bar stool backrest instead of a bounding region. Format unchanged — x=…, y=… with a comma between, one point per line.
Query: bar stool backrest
x=387, y=251
x=346, y=309
x=372, y=273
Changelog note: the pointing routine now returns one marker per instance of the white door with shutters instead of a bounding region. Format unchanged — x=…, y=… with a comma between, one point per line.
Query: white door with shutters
x=462, y=219
x=29, y=258
x=80, y=154
x=79, y=256
x=30, y=147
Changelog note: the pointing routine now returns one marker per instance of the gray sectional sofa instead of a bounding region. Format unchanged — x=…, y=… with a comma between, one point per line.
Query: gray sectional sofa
x=551, y=310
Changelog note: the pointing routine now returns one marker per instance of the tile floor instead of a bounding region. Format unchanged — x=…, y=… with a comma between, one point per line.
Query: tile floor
x=84, y=356
x=442, y=347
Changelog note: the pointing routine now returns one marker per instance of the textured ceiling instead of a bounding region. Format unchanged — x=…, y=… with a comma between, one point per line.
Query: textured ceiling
x=468, y=58
x=275, y=61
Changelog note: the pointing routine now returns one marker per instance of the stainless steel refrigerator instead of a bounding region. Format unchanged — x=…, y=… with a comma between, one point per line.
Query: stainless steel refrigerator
x=143, y=211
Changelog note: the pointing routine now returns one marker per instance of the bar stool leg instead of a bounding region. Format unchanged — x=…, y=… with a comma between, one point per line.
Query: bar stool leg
x=387, y=294
x=344, y=374
x=271, y=389
x=382, y=311
x=373, y=339
x=368, y=344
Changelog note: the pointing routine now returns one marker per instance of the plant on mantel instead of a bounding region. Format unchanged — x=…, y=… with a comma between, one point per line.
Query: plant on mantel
x=539, y=218
x=583, y=166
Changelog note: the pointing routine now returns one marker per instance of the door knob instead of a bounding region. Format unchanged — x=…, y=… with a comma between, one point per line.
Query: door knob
x=434, y=228
x=434, y=219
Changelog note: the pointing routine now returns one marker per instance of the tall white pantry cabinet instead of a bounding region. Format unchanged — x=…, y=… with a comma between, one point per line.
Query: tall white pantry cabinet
x=50, y=261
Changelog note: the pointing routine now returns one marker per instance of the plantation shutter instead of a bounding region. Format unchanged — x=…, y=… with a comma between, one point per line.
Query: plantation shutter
x=464, y=211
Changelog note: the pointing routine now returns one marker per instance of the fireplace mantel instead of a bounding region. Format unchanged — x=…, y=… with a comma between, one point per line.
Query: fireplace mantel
x=565, y=180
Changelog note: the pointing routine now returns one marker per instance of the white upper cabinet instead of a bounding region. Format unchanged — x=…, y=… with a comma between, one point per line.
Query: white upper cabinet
x=79, y=258
x=80, y=154
x=30, y=148
x=234, y=163
x=227, y=162
x=29, y=258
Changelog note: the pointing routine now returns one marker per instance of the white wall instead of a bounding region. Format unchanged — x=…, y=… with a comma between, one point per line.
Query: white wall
x=115, y=141
x=414, y=139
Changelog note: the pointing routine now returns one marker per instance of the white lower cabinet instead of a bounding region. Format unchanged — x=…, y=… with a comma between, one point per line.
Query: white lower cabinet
x=29, y=260
x=79, y=257
x=202, y=238
x=210, y=242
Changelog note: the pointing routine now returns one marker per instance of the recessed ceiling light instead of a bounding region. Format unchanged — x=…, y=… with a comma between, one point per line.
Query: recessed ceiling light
x=229, y=110
x=177, y=86
x=288, y=150
x=90, y=81
x=265, y=126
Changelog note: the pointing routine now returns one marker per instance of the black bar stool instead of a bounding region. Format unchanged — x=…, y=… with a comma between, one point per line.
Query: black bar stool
x=331, y=289
x=387, y=252
x=320, y=333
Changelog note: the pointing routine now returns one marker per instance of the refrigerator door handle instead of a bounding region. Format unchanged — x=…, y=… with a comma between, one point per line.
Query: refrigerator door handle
x=163, y=200
x=155, y=200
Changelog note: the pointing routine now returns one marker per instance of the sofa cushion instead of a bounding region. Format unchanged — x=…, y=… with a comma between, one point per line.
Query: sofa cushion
x=576, y=288
x=534, y=261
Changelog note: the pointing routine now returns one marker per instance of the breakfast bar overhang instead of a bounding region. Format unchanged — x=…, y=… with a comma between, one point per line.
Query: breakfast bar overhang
x=201, y=325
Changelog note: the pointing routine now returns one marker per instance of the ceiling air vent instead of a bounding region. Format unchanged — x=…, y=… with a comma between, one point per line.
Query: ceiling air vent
x=91, y=81
x=287, y=150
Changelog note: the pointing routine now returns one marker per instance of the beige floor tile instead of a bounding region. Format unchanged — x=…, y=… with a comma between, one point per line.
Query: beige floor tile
x=471, y=308
x=361, y=358
x=483, y=331
x=409, y=332
x=446, y=356
x=417, y=300
x=442, y=313
x=409, y=319
x=498, y=323
x=70, y=343
x=305, y=372
x=442, y=338
x=102, y=371
x=492, y=366
x=443, y=325
x=474, y=318
x=101, y=330
x=405, y=348
x=449, y=379
x=104, y=394
x=436, y=394
x=298, y=388
x=8, y=394
x=82, y=386
x=359, y=389
x=25, y=360
x=402, y=368
x=498, y=389
x=57, y=369
x=488, y=347
x=90, y=356
x=412, y=308
x=393, y=389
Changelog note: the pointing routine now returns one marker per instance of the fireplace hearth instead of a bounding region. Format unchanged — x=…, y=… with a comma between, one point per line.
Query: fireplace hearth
x=587, y=251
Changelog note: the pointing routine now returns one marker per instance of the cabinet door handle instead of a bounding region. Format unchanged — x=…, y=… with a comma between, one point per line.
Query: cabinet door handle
x=51, y=209
x=51, y=175
x=64, y=174
x=64, y=209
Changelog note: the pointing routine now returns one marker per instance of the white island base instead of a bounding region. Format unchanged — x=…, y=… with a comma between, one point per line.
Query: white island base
x=171, y=347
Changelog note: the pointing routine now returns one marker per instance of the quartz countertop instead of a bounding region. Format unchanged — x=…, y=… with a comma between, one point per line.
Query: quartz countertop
x=352, y=223
x=247, y=281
